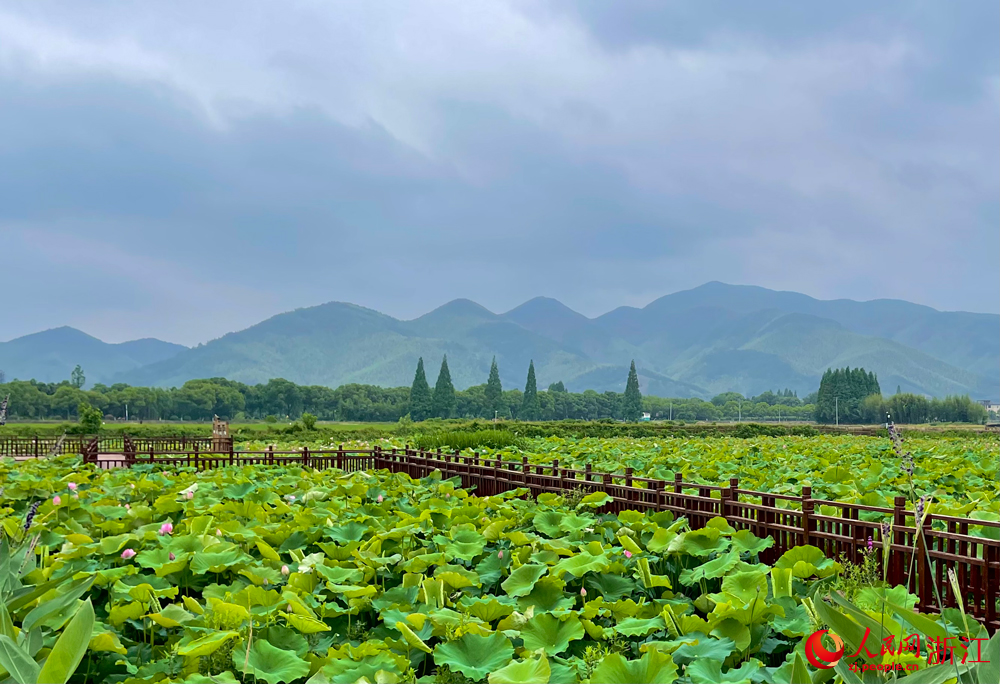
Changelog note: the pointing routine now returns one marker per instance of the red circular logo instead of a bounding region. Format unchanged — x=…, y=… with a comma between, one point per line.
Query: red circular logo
x=817, y=654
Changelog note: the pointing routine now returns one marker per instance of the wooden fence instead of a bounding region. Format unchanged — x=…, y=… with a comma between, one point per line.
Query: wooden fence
x=941, y=542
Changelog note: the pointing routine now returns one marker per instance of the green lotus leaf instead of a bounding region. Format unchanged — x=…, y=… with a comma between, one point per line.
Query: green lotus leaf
x=204, y=645
x=733, y=630
x=456, y=576
x=716, y=567
x=113, y=545
x=339, y=575
x=530, y=671
x=745, y=542
x=743, y=587
x=709, y=671
x=595, y=500
x=270, y=663
x=580, y=564
x=611, y=587
x=720, y=524
x=473, y=655
x=159, y=561
x=550, y=634
x=491, y=567
x=226, y=677
x=285, y=638
x=346, y=671
x=704, y=647
x=633, y=627
x=795, y=622
x=351, y=532
x=806, y=561
x=217, y=561
x=522, y=580
x=488, y=608
x=575, y=523
x=547, y=595
x=653, y=667
x=549, y=523
x=699, y=543
x=306, y=624
x=466, y=543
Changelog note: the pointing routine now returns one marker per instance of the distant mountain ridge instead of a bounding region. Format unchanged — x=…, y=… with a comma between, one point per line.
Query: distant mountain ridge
x=51, y=355
x=697, y=342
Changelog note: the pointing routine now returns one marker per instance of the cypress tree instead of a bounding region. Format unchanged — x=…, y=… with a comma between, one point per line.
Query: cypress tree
x=420, y=394
x=494, y=391
x=530, y=408
x=632, y=401
x=443, y=401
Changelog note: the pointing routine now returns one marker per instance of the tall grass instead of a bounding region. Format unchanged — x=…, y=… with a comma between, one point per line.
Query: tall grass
x=492, y=439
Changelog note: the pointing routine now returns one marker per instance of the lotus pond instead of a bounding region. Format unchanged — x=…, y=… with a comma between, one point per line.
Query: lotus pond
x=284, y=575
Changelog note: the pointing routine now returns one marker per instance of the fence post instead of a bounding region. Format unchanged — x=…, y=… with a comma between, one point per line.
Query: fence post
x=525, y=470
x=898, y=537
x=557, y=474
x=807, y=512
x=270, y=454
x=305, y=457
x=196, y=467
x=36, y=446
x=629, y=494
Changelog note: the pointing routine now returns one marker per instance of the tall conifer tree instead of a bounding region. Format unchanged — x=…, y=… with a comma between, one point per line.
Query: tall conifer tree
x=494, y=391
x=530, y=408
x=420, y=394
x=443, y=401
x=632, y=401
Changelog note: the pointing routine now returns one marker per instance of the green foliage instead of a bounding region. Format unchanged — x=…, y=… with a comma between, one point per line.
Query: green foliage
x=277, y=572
x=420, y=407
x=308, y=421
x=77, y=378
x=632, y=401
x=494, y=392
x=461, y=440
x=90, y=418
x=530, y=408
x=443, y=401
x=841, y=393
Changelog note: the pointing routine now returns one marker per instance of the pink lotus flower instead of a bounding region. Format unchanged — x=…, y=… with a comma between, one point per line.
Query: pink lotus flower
x=500, y=555
x=128, y=507
x=583, y=592
x=218, y=532
x=628, y=554
x=128, y=553
x=285, y=570
x=171, y=556
x=189, y=495
x=166, y=528
x=72, y=486
x=380, y=498
x=56, y=500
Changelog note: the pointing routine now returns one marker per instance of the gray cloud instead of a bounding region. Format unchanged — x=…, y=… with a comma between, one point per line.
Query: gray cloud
x=181, y=171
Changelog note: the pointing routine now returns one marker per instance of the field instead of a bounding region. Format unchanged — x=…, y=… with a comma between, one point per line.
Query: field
x=283, y=575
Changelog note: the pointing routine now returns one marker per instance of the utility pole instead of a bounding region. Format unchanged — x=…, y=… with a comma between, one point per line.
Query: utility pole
x=126, y=413
x=671, y=410
x=836, y=408
x=739, y=408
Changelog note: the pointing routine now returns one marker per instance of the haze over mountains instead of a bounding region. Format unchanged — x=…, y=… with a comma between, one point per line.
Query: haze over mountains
x=698, y=342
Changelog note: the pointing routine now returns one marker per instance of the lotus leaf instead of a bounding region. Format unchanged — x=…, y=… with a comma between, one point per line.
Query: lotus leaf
x=473, y=655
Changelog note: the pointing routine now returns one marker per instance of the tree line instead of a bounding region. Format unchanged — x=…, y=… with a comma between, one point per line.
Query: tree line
x=849, y=395
x=280, y=399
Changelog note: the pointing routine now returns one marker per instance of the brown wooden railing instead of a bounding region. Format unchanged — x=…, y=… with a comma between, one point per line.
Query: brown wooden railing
x=941, y=542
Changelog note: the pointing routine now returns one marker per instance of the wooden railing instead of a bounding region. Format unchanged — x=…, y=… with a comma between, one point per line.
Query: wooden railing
x=930, y=546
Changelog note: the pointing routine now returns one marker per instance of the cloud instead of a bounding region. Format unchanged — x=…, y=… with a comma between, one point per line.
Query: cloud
x=281, y=156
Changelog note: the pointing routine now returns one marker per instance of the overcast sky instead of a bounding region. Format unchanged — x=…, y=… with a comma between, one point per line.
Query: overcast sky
x=184, y=169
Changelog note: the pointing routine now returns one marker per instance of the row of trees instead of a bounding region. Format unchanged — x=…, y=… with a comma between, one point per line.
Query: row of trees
x=853, y=396
x=281, y=399
x=443, y=400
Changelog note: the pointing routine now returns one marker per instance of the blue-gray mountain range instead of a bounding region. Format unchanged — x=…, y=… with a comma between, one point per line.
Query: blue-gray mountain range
x=698, y=342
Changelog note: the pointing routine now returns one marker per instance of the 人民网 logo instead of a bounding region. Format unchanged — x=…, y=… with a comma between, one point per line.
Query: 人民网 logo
x=818, y=655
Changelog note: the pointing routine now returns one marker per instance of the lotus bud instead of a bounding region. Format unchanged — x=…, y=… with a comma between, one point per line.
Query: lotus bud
x=171, y=556
x=285, y=571
x=128, y=553
x=628, y=554
x=72, y=486
x=218, y=532
x=128, y=507
x=380, y=498
x=500, y=554
x=583, y=592
x=189, y=495
x=133, y=486
x=166, y=528
x=56, y=500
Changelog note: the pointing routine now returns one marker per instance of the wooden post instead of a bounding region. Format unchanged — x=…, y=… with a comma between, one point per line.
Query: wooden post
x=525, y=470
x=196, y=465
x=807, y=512
x=305, y=457
x=270, y=454
x=36, y=446
x=557, y=474
x=924, y=590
